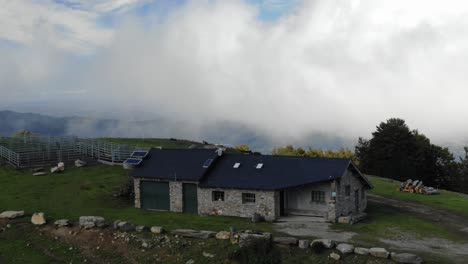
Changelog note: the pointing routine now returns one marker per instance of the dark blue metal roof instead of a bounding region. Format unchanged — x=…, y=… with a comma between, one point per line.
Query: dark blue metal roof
x=175, y=164
x=277, y=172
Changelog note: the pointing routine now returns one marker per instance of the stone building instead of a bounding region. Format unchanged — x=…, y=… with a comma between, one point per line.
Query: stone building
x=210, y=182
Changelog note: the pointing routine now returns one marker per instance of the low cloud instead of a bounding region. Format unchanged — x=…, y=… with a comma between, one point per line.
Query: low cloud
x=327, y=67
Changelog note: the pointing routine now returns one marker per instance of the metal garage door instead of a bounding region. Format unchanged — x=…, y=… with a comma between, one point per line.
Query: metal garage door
x=190, y=198
x=155, y=195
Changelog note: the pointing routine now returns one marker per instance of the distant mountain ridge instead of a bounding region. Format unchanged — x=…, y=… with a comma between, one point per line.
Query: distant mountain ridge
x=226, y=133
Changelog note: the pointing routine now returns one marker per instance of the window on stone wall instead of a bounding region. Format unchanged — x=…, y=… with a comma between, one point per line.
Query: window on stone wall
x=363, y=193
x=348, y=190
x=318, y=196
x=217, y=196
x=248, y=198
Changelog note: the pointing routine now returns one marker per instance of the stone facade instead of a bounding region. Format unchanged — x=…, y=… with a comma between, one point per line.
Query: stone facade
x=346, y=204
x=266, y=203
x=136, y=186
x=298, y=201
x=176, y=196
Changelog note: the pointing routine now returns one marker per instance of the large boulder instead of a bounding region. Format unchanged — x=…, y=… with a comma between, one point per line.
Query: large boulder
x=327, y=243
x=246, y=239
x=92, y=221
x=157, y=230
x=223, y=235
x=285, y=240
x=193, y=233
x=38, y=219
x=379, y=252
x=345, y=248
x=344, y=219
x=140, y=228
x=361, y=251
x=406, y=258
x=126, y=226
x=11, y=214
x=335, y=256
x=62, y=223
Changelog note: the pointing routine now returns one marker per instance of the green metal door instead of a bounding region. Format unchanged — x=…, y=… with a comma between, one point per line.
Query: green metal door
x=155, y=195
x=190, y=198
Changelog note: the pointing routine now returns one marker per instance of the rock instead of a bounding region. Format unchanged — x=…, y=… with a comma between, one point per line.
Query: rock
x=190, y=261
x=115, y=224
x=327, y=243
x=335, y=256
x=11, y=214
x=61, y=166
x=285, y=240
x=194, y=233
x=38, y=219
x=41, y=173
x=344, y=219
x=245, y=239
x=379, y=252
x=54, y=170
x=62, y=223
x=145, y=244
x=406, y=258
x=345, y=248
x=80, y=163
x=8, y=226
x=361, y=251
x=223, y=235
x=256, y=218
x=208, y=255
x=157, y=230
x=126, y=226
x=91, y=221
x=140, y=228
x=303, y=243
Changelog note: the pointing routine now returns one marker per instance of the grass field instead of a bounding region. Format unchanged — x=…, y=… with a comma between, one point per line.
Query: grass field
x=455, y=202
x=89, y=191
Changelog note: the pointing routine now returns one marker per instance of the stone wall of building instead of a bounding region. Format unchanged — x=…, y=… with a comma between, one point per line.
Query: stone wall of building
x=345, y=205
x=266, y=203
x=176, y=196
x=298, y=201
x=136, y=186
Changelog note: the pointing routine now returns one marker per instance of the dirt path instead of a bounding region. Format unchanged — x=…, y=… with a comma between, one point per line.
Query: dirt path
x=451, y=221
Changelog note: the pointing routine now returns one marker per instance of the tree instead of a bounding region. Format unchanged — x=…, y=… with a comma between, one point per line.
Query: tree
x=243, y=147
x=289, y=150
x=396, y=152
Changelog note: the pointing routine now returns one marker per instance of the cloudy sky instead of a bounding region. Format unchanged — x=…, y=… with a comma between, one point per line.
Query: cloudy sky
x=284, y=68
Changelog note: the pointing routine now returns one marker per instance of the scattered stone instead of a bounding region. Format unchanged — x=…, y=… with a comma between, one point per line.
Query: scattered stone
x=208, y=255
x=327, y=243
x=194, y=233
x=80, y=163
x=361, y=251
x=345, y=248
x=38, y=219
x=91, y=221
x=285, y=240
x=41, y=173
x=344, y=219
x=335, y=256
x=223, y=235
x=303, y=243
x=54, y=170
x=379, y=252
x=140, y=228
x=8, y=226
x=61, y=166
x=62, y=223
x=145, y=245
x=157, y=230
x=11, y=214
x=406, y=258
x=126, y=226
x=190, y=261
x=257, y=218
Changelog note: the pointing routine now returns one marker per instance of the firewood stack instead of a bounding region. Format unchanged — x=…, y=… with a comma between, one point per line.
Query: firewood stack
x=417, y=186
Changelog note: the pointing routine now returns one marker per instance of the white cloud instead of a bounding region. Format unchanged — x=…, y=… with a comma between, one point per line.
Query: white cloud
x=337, y=67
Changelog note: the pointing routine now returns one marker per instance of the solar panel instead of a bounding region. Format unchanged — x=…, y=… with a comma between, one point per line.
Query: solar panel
x=207, y=163
x=139, y=154
x=133, y=161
